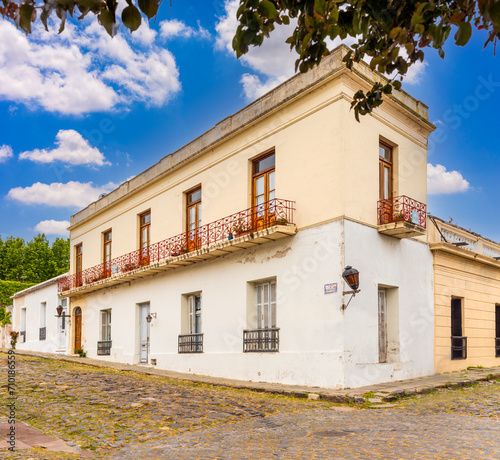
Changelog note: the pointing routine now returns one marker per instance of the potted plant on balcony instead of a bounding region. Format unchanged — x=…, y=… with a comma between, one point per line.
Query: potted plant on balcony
x=281, y=221
x=129, y=267
x=241, y=228
x=398, y=217
x=182, y=249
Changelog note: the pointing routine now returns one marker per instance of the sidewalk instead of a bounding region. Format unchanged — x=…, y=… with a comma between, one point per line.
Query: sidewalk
x=387, y=391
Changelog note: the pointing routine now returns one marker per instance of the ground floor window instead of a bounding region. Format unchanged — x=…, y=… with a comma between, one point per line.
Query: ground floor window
x=263, y=334
x=191, y=340
x=497, y=329
x=104, y=345
x=458, y=340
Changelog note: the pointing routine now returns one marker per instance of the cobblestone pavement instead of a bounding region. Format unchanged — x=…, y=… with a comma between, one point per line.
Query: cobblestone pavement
x=124, y=415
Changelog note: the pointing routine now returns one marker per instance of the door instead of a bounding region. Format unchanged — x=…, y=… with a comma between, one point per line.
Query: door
x=78, y=328
x=382, y=326
x=107, y=253
x=264, y=191
x=193, y=213
x=144, y=332
x=385, y=183
x=62, y=329
x=145, y=234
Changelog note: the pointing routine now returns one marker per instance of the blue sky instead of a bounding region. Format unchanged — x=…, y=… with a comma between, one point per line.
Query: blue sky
x=123, y=104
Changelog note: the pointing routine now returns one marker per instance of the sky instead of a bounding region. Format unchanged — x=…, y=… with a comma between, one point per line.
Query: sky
x=80, y=112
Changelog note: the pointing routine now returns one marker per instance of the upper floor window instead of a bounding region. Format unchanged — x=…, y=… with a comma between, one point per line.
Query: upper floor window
x=78, y=263
x=107, y=237
x=385, y=171
x=145, y=237
x=263, y=189
x=193, y=221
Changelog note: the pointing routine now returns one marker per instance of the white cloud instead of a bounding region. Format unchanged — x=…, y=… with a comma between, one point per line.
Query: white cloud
x=71, y=148
x=176, y=28
x=5, y=153
x=83, y=70
x=253, y=87
x=440, y=181
x=71, y=194
x=53, y=227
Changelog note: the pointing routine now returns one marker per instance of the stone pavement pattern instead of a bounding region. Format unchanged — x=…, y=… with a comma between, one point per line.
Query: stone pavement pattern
x=124, y=415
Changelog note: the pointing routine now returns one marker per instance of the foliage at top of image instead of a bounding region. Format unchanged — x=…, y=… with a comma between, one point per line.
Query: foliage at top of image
x=392, y=35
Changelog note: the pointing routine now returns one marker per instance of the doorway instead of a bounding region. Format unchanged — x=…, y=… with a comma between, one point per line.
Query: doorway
x=144, y=332
x=78, y=328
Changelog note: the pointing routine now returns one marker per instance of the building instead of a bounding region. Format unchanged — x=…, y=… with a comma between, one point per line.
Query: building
x=293, y=189
x=35, y=317
x=466, y=296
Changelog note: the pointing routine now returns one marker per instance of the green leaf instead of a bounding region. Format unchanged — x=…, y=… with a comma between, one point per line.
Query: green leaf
x=319, y=6
x=394, y=32
x=463, y=33
x=131, y=18
x=149, y=7
x=267, y=9
x=25, y=15
x=106, y=20
x=396, y=84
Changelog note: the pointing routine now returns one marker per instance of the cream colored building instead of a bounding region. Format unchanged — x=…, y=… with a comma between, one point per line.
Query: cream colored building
x=233, y=247
x=467, y=297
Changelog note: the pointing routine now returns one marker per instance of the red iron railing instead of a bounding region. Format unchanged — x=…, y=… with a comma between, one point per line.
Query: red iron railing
x=402, y=209
x=265, y=215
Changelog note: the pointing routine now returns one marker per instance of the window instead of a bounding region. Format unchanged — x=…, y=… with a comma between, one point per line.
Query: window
x=78, y=257
x=382, y=326
x=43, y=321
x=192, y=341
x=145, y=236
x=104, y=345
x=385, y=171
x=193, y=221
x=23, y=325
x=497, y=329
x=64, y=305
x=107, y=237
x=265, y=336
x=458, y=341
x=263, y=190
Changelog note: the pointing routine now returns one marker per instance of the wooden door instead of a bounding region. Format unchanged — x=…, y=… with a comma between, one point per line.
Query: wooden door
x=145, y=235
x=79, y=254
x=382, y=326
x=193, y=221
x=78, y=328
x=264, y=192
x=385, y=183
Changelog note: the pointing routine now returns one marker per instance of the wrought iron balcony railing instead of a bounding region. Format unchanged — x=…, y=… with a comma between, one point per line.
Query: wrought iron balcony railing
x=43, y=333
x=497, y=347
x=254, y=219
x=104, y=347
x=458, y=347
x=191, y=343
x=22, y=336
x=402, y=209
x=261, y=340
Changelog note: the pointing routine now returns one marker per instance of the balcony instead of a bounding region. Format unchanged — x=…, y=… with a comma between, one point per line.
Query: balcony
x=257, y=225
x=104, y=348
x=458, y=347
x=43, y=333
x=191, y=343
x=261, y=340
x=401, y=217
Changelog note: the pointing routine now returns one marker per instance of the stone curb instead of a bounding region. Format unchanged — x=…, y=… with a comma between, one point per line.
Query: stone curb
x=357, y=396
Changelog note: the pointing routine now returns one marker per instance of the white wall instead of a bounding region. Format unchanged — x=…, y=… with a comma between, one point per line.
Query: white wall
x=32, y=301
x=319, y=344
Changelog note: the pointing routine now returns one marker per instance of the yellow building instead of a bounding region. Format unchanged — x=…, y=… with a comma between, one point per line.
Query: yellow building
x=467, y=297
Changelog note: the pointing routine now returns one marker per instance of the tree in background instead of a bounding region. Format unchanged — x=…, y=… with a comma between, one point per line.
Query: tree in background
x=35, y=261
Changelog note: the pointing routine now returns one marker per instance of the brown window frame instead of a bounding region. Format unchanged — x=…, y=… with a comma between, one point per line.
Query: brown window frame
x=144, y=250
x=382, y=164
x=106, y=261
x=193, y=235
x=263, y=220
x=79, y=263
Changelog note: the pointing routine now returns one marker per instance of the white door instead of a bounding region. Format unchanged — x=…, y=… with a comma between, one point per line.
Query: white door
x=144, y=331
x=62, y=327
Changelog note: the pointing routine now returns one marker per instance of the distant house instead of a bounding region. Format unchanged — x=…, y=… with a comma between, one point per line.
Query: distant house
x=226, y=257
x=35, y=317
x=467, y=297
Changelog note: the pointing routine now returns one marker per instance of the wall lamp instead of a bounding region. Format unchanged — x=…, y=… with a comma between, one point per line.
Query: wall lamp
x=59, y=310
x=150, y=317
x=351, y=277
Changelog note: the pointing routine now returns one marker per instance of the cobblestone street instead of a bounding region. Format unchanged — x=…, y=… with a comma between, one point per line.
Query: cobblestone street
x=104, y=413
